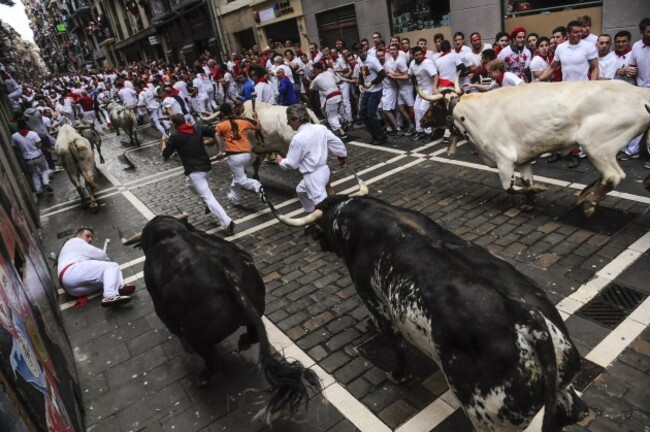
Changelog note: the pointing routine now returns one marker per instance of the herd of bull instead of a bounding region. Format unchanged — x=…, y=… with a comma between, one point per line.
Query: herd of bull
x=499, y=341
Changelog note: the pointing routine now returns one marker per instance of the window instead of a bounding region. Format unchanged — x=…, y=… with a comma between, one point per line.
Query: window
x=523, y=7
x=410, y=15
x=340, y=23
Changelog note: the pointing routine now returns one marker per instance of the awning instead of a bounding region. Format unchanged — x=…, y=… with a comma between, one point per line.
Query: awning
x=149, y=31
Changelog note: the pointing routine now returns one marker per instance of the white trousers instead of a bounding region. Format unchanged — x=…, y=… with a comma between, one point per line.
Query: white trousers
x=237, y=164
x=419, y=108
x=85, y=277
x=332, y=106
x=346, y=104
x=197, y=182
x=311, y=190
x=154, y=116
x=39, y=170
x=634, y=146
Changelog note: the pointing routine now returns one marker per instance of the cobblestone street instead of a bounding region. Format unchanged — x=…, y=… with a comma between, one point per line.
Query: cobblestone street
x=135, y=376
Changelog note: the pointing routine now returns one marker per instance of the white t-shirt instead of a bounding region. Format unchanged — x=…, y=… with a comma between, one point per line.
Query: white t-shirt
x=424, y=73
x=170, y=102
x=446, y=65
x=27, y=144
x=641, y=59
x=475, y=59
x=591, y=38
x=309, y=148
x=509, y=80
x=622, y=62
x=574, y=59
x=76, y=250
x=265, y=92
x=129, y=97
x=538, y=64
x=516, y=62
x=370, y=67
x=607, y=66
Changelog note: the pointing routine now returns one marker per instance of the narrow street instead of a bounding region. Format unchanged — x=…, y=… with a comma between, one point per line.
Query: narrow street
x=134, y=376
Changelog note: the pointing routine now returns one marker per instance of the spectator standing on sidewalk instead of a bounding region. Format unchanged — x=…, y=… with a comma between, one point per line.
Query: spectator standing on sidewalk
x=84, y=268
x=29, y=144
x=371, y=75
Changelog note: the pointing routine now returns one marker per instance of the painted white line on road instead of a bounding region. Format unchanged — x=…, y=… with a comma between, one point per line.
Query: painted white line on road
x=78, y=204
x=426, y=146
x=376, y=147
x=430, y=417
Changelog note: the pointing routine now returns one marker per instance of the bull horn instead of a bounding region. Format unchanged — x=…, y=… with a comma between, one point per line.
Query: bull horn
x=457, y=84
x=296, y=222
x=427, y=97
x=137, y=237
x=363, y=187
x=131, y=240
x=210, y=117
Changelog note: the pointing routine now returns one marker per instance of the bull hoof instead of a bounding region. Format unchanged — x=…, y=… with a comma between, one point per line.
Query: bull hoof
x=588, y=209
x=398, y=377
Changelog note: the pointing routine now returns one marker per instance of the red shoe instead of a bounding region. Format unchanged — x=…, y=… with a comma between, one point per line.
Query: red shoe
x=126, y=290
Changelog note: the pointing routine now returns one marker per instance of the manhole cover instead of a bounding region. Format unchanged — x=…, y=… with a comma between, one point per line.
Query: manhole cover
x=612, y=305
x=606, y=221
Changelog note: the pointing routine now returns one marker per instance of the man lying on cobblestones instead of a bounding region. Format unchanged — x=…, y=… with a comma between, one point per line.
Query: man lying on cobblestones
x=84, y=269
x=308, y=154
x=187, y=141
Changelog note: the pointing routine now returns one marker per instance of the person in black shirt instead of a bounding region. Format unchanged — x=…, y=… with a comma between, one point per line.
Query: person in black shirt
x=187, y=141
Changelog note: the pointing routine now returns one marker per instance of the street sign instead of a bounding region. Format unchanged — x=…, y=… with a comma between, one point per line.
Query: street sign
x=153, y=40
x=60, y=27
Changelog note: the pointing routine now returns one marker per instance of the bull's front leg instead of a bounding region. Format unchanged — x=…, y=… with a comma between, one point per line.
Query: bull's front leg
x=526, y=170
x=451, y=149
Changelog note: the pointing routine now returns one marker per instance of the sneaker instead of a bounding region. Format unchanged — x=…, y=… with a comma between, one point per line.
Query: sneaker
x=233, y=201
x=48, y=188
x=622, y=156
x=115, y=301
x=546, y=155
x=391, y=132
x=582, y=153
x=262, y=195
x=574, y=161
x=554, y=158
x=230, y=229
x=418, y=136
x=647, y=165
x=126, y=290
x=447, y=134
x=409, y=132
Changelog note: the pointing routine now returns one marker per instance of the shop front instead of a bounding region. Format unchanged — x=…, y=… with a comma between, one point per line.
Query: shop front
x=542, y=16
x=420, y=19
x=279, y=22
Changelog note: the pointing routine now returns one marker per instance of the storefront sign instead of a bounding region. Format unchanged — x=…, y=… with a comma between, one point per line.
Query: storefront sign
x=267, y=14
x=60, y=27
x=153, y=40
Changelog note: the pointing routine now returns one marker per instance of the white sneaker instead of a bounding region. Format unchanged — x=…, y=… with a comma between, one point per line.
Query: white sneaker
x=546, y=155
x=115, y=300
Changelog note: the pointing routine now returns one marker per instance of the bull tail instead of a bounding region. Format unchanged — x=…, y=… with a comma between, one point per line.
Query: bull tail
x=288, y=379
x=545, y=349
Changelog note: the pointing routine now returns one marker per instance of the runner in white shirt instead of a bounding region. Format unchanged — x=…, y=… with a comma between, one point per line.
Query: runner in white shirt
x=623, y=53
x=29, y=145
x=399, y=73
x=474, y=56
x=342, y=71
x=500, y=77
x=372, y=73
x=579, y=59
x=517, y=56
x=427, y=53
x=606, y=59
x=263, y=89
x=426, y=75
x=330, y=96
x=448, y=65
x=389, y=95
x=308, y=153
x=129, y=97
x=464, y=52
x=587, y=35
x=542, y=58
x=148, y=99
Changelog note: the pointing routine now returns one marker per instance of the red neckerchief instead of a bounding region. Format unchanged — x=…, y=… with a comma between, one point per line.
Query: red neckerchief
x=444, y=53
x=314, y=55
x=458, y=50
x=548, y=59
x=23, y=132
x=622, y=53
x=186, y=128
x=499, y=79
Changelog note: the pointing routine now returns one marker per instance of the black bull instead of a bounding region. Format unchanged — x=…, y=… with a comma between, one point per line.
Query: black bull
x=203, y=289
x=500, y=342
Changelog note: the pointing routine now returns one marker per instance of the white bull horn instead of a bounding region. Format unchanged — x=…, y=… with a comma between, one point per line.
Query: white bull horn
x=210, y=117
x=363, y=187
x=137, y=237
x=457, y=84
x=296, y=222
x=428, y=97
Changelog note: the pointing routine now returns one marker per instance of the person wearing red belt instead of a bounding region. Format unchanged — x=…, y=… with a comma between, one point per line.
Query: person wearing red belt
x=84, y=268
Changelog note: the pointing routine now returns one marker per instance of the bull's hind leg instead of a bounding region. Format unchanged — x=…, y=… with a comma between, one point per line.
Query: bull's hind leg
x=611, y=175
x=398, y=375
x=207, y=354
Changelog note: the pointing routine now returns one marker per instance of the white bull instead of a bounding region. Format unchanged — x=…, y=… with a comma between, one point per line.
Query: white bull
x=512, y=126
x=125, y=119
x=78, y=160
x=276, y=133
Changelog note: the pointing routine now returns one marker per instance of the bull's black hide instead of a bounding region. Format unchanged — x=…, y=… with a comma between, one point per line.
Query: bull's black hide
x=204, y=288
x=500, y=342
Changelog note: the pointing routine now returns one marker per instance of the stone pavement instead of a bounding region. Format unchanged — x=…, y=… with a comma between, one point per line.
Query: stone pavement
x=134, y=375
